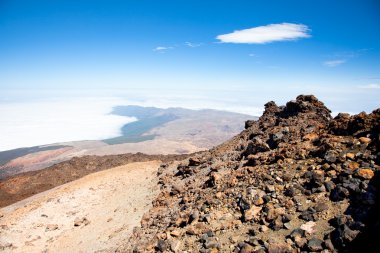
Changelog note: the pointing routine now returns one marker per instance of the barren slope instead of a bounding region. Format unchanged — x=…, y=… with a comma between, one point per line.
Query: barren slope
x=91, y=214
x=24, y=185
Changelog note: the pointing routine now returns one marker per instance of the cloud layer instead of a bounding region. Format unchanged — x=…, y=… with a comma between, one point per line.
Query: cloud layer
x=43, y=122
x=267, y=34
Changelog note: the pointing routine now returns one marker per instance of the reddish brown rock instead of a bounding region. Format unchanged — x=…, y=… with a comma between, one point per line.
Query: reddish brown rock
x=310, y=137
x=353, y=165
x=364, y=140
x=350, y=156
x=366, y=173
x=252, y=213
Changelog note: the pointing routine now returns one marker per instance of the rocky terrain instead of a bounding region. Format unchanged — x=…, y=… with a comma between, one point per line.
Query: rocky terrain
x=296, y=180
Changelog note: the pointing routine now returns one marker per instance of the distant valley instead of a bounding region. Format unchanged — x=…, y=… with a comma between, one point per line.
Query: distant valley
x=157, y=131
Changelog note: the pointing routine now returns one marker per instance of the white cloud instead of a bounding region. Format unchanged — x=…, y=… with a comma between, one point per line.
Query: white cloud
x=267, y=34
x=35, y=123
x=252, y=55
x=333, y=63
x=370, y=86
x=189, y=44
x=162, y=49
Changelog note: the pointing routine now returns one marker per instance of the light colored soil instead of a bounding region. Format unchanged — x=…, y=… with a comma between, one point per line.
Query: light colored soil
x=113, y=201
x=38, y=157
x=152, y=147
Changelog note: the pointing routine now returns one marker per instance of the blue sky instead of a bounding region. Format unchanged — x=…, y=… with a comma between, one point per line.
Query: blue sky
x=329, y=48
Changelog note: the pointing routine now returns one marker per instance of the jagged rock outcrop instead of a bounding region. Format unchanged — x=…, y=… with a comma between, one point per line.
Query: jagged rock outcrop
x=295, y=180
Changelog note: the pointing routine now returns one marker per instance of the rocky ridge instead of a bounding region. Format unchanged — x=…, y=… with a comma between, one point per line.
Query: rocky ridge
x=295, y=180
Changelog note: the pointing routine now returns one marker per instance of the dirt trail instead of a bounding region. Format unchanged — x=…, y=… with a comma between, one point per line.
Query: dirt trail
x=105, y=205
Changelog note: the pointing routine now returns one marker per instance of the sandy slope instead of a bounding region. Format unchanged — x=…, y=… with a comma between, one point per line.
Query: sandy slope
x=111, y=201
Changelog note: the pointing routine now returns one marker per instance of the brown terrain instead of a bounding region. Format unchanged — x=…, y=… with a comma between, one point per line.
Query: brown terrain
x=296, y=180
x=21, y=186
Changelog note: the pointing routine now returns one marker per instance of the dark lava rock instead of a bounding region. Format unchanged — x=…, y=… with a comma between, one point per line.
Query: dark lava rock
x=317, y=177
x=249, y=123
x=343, y=235
x=329, y=186
x=194, y=162
x=315, y=244
x=321, y=207
x=287, y=217
x=308, y=215
x=331, y=156
x=339, y=193
x=243, y=204
x=161, y=246
x=290, y=192
x=256, y=145
x=297, y=233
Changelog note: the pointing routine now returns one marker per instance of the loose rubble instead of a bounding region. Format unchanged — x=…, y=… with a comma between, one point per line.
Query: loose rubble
x=296, y=180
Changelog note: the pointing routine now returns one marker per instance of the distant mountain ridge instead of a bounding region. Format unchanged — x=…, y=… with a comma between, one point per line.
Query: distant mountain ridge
x=156, y=131
x=149, y=118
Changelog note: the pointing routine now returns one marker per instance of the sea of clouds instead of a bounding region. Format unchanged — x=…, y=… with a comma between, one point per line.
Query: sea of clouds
x=32, y=118
x=33, y=123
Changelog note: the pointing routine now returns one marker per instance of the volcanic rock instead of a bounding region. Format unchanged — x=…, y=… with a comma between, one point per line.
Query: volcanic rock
x=294, y=180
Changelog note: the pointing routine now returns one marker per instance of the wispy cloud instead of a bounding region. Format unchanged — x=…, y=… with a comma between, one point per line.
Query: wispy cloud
x=350, y=54
x=162, y=49
x=370, y=86
x=267, y=34
x=368, y=78
x=333, y=63
x=190, y=44
x=252, y=55
x=339, y=58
